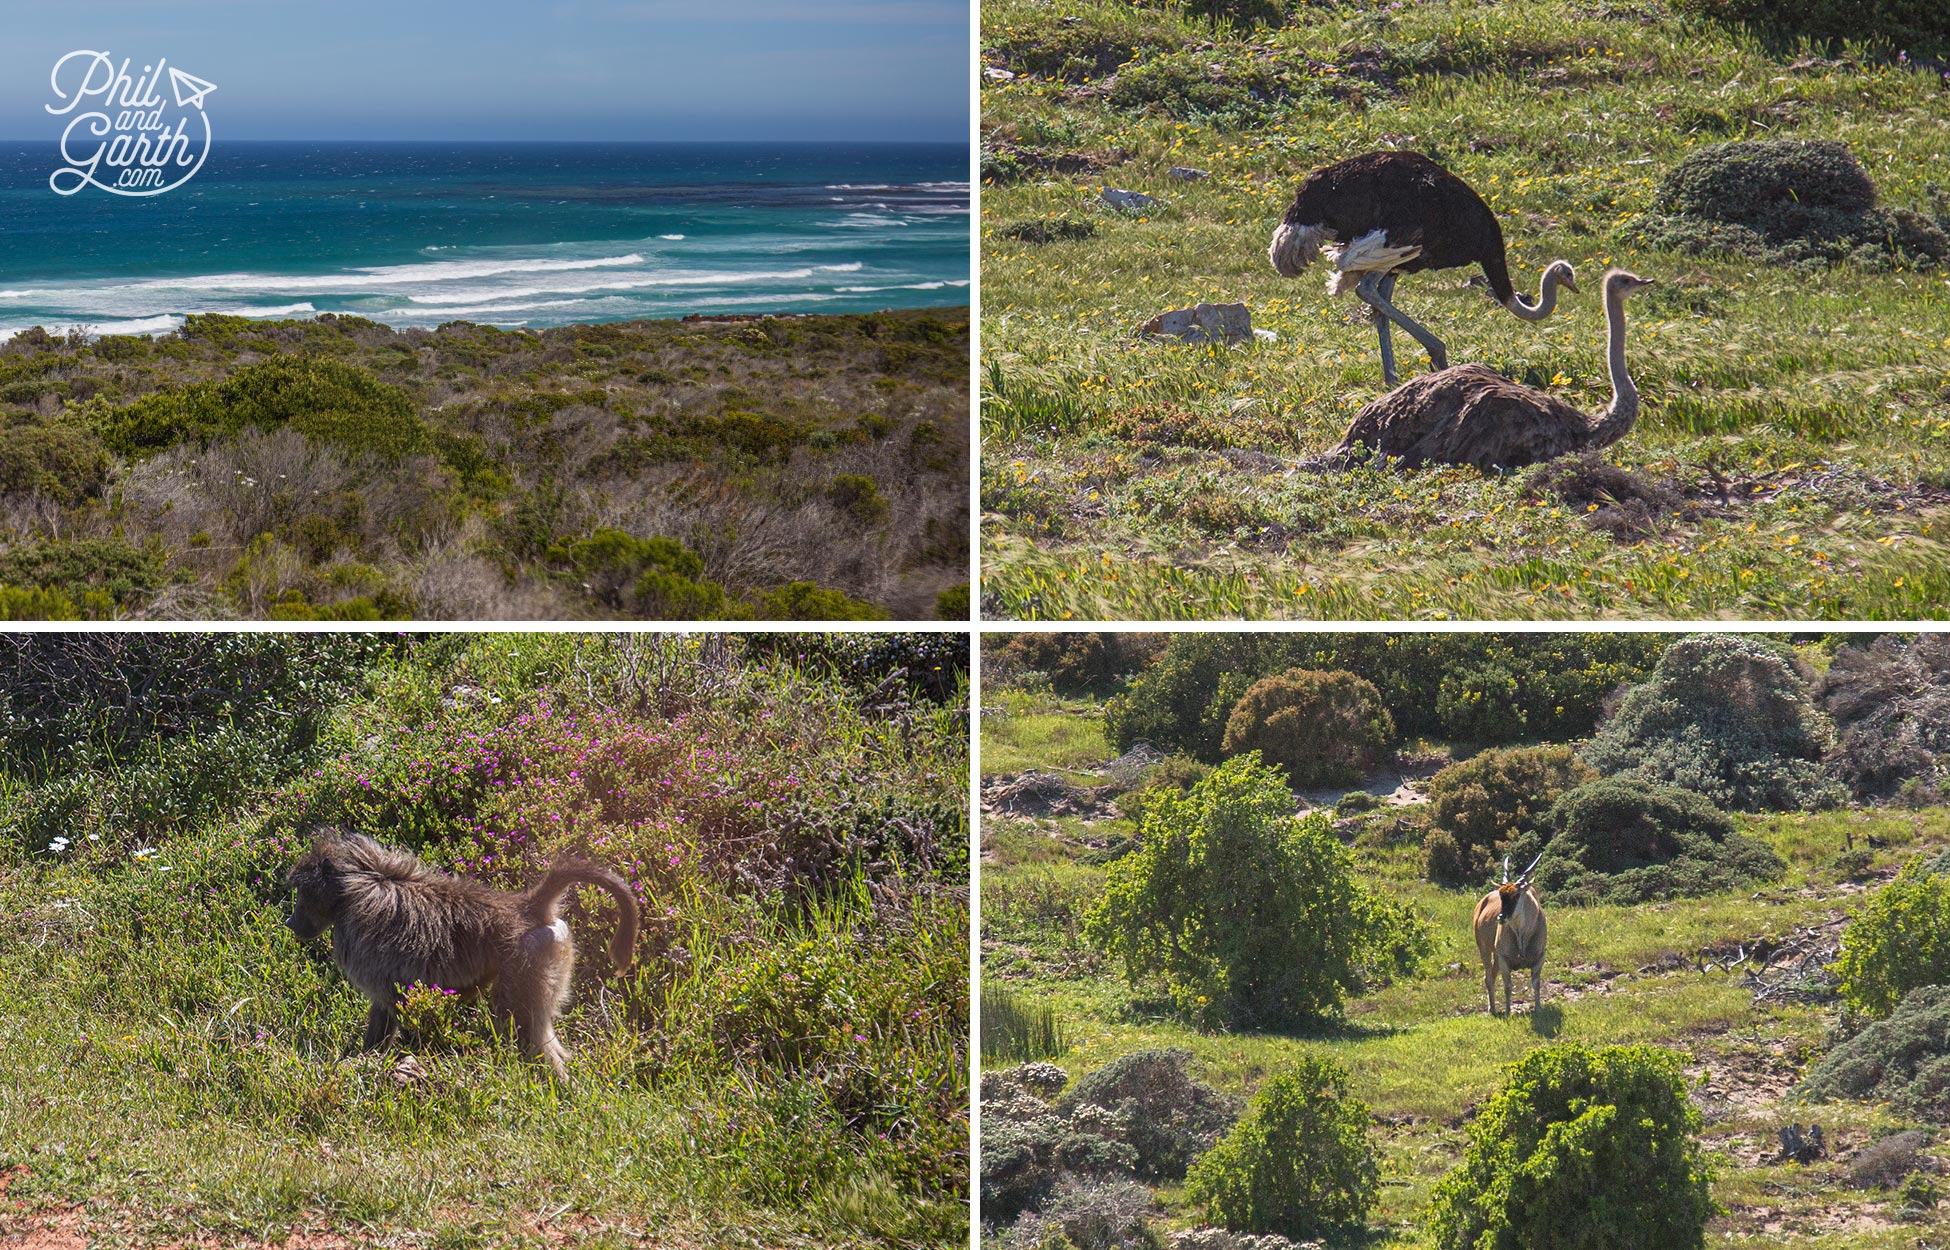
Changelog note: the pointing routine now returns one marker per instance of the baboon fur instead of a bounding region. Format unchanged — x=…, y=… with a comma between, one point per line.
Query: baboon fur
x=397, y=922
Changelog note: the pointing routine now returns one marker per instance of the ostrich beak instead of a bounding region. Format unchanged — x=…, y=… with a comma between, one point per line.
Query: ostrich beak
x=1571, y=285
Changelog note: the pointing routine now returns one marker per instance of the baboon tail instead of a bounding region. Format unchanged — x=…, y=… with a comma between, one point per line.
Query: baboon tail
x=539, y=907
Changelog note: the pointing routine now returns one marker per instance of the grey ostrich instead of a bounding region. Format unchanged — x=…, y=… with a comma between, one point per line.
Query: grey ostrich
x=1471, y=415
x=1384, y=214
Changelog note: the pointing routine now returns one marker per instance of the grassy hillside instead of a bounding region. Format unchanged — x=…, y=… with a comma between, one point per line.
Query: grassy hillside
x=776, y=467
x=1424, y=1052
x=1798, y=417
x=785, y=1063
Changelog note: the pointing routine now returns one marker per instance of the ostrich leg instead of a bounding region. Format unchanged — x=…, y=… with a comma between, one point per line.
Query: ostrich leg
x=1377, y=300
x=1386, y=289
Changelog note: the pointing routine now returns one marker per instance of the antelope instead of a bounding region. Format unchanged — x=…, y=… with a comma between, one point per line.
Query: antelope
x=1510, y=933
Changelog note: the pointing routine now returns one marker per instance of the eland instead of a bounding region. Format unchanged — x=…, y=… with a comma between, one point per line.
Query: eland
x=1510, y=934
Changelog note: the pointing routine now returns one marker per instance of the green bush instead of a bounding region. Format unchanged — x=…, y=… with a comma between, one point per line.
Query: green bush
x=100, y=575
x=1579, y=1149
x=1622, y=841
x=1899, y=940
x=807, y=601
x=952, y=604
x=1919, y=26
x=324, y=399
x=1172, y=775
x=652, y=578
x=66, y=463
x=1075, y=663
x=859, y=497
x=1243, y=913
x=1301, y=1161
x=1479, y=804
x=1727, y=717
x=1903, y=1060
x=1323, y=728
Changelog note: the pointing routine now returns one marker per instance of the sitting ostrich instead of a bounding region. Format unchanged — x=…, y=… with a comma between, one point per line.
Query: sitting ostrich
x=1385, y=214
x=1474, y=416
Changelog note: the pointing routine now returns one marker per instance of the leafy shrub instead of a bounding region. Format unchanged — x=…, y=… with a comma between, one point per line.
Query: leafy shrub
x=1246, y=914
x=1479, y=804
x=1788, y=201
x=1890, y=700
x=1323, y=728
x=63, y=462
x=1028, y=1146
x=656, y=578
x=1916, y=1197
x=1899, y=940
x=324, y=399
x=1903, y=1060
x=1887, y=1160
x=1580, y=1149
x=952, y=603
x=1150, y=1101
x=1726, y=717
x=859, y=497
x=933, y=664
x=1013, y=1030
x=1089, y=1214
x=805, y=601
x=101, y=575
x=1172, y=775
x=1622, y=841
x=1916, y=25
x=1301, y=1160
x=1075, y=663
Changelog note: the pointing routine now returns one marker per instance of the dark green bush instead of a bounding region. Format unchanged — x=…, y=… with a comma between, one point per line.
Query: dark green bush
x=933, y=664
x=807, y=601
x=101, y=575
x=1323, y=728
x=1918, y=26
x=1899, y=940
x=1075, y=663
x=324, y=399
x=1727, y=717
x=1787, y=201
x=66, y=463
x=859, y=497
x=1301, y=1161
x=1579, y=1149
x=1150, y=1101
x=1903, y=1060
x=1245, y=914
x=1623, y=841
x=1172, y=775
x=653, y=578
x=1481, y=803
x=952, y=604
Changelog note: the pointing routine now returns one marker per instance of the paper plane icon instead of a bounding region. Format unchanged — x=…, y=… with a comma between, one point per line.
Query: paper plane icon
x=189, y=89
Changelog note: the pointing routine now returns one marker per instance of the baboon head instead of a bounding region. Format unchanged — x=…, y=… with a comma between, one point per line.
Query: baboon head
x=317, y=887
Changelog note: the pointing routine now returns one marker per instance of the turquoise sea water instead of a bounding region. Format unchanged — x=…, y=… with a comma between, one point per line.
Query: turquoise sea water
x=512, y=234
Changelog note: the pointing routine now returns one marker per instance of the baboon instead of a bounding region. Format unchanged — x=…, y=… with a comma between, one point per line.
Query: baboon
x=398, y=922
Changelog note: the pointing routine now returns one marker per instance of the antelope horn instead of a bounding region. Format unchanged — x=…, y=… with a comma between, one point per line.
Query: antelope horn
x=1506, y=869
x=1525, y=875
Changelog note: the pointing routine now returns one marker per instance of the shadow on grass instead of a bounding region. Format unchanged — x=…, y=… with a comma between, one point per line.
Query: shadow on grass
x=1546, y=1021
x=1161, y=1011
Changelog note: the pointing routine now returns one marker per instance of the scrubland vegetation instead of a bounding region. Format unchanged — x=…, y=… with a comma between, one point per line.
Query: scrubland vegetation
x=1222, y=1012
x=1789, y=461
x=790, y=468
x=784, y=1064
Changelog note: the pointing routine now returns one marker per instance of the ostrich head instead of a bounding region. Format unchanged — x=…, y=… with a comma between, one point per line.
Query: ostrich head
x=1622, y=282
x=1563, y=274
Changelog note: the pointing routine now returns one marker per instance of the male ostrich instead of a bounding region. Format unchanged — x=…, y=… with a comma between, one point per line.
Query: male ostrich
x=1385, y=214
x=1471, y=415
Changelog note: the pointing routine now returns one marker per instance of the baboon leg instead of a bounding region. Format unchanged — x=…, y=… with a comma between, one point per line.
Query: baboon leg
x=532, y=989
x=381, y=1023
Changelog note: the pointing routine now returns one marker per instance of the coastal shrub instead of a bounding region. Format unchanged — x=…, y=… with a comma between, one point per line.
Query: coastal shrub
x=101, y=575
x=1580, y=1148
x=807, y=601
x=859, y=497
x=932, y=664
x=654, y=578
x=1088, y=1214
x=952, y=603
x=1150, y=1101
x=1890, y=700
x=1789, y=201
x=1902, y=1059
x=1028, y=1146
x=1479, y=804
x=1074, y=663
x=324, y=399
x=1727, y=717
x=1887, y=1160
x=1242, y=913
x=1918, y=26
x=65, y=463
x=1299, y=1162
x=1899, y=939
x=1174, y=774
x=1623, y=841
x=1322, y=728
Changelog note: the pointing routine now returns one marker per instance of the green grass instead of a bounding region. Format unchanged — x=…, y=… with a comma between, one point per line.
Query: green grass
x=769, y=1071
x=1023, y=735
x=1423, y=1052
x=1128, y=479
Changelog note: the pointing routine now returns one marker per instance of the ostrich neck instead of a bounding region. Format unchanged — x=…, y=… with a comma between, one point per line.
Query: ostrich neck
x=1616, y=420
x=1546, y=303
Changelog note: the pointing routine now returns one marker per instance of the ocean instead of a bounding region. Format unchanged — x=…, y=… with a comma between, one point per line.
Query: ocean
x=509, y=234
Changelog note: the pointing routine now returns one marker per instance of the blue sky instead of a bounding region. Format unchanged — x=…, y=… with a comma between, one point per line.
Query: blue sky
x=546, y=69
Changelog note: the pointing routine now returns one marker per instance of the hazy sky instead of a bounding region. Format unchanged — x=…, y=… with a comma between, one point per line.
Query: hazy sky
x=502, y=69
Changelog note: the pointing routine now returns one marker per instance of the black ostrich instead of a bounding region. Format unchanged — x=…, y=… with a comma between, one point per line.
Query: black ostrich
x=1384, y=214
